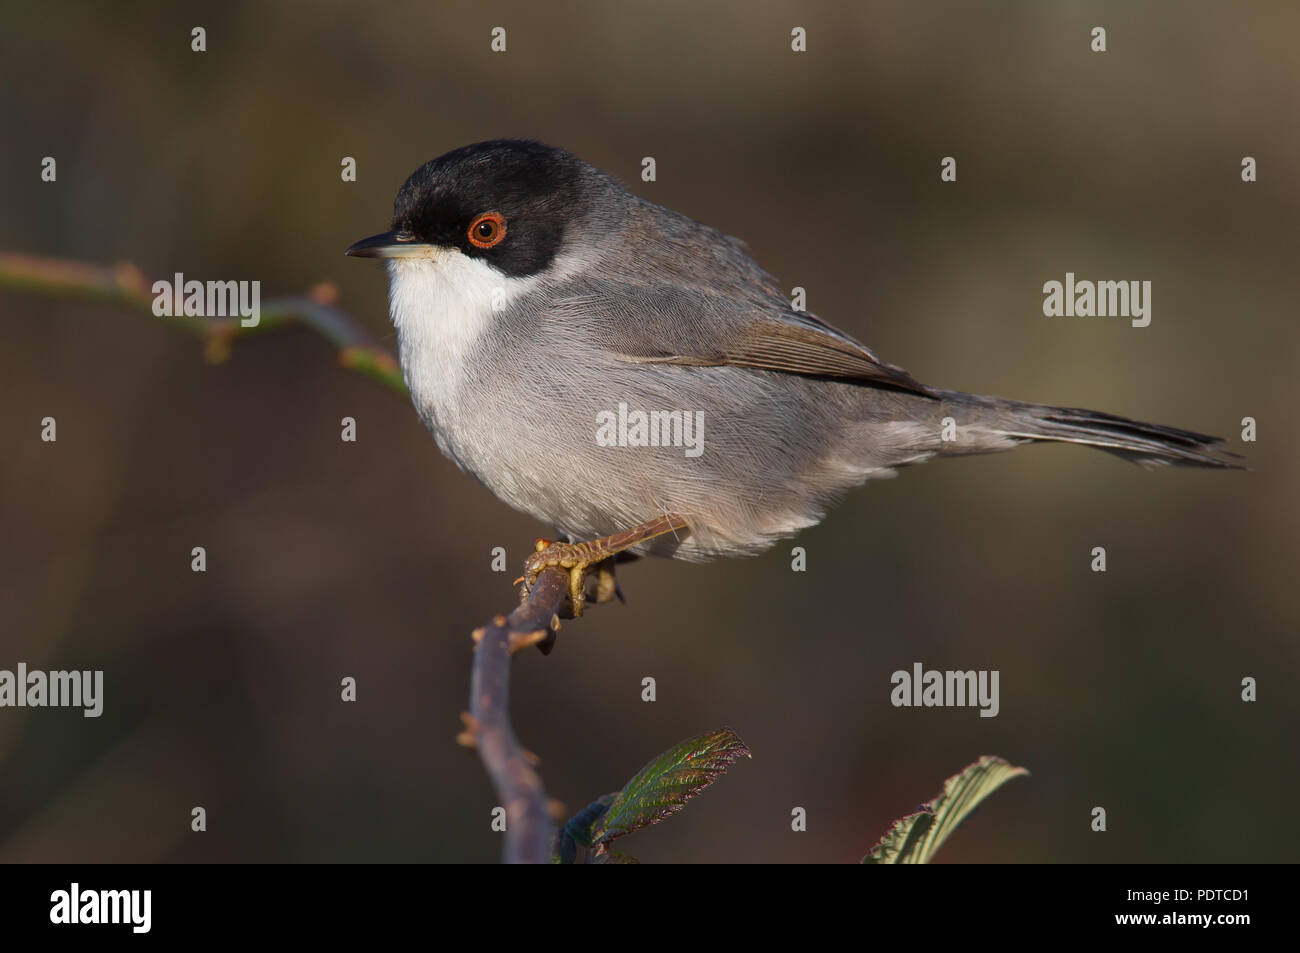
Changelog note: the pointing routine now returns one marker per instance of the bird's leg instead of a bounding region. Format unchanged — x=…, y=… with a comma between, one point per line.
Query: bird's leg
x=581, y=558
x=602, y=585
x=606, y=585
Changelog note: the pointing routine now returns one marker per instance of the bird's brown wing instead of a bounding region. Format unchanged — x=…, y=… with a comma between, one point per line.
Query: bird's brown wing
x=671, y=325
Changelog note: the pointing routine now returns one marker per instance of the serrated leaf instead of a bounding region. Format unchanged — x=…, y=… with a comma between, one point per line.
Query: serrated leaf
x=914, y=839
x=663, y=786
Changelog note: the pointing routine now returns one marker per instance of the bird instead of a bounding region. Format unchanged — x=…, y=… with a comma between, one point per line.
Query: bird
x=634, y=379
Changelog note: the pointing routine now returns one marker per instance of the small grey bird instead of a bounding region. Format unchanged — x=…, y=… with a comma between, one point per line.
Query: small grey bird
x=610, y=366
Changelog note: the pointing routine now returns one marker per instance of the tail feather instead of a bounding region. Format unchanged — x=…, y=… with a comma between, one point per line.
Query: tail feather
x=1143, y=443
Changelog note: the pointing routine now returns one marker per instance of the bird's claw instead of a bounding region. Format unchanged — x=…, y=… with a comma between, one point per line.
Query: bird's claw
x=580, y=559
x=575, y=558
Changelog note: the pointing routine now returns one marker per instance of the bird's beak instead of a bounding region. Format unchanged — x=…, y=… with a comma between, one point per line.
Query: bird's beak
x=390, y=245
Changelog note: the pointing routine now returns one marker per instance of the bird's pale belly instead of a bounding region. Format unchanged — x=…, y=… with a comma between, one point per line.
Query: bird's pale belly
x=591, y=463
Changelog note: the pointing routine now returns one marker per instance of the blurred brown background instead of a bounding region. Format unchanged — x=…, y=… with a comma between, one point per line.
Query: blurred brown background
x=328, y=559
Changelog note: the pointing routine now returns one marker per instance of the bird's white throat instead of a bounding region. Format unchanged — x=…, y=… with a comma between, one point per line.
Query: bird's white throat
x=441, y=305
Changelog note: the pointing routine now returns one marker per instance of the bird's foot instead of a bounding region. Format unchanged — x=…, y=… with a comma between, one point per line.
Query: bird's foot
x=580, y=559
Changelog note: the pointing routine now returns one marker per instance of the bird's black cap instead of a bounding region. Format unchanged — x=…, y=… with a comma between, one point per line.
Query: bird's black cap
x=534, y=189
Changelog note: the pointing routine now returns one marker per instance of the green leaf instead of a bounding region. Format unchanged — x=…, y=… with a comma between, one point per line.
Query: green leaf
x=663, y=786
x=914, y=839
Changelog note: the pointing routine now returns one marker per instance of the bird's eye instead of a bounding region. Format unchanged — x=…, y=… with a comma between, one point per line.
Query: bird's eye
x=487, y=229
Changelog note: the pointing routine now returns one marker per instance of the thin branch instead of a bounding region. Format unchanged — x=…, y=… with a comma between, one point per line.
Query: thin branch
x=529, y=828
x=126, y=285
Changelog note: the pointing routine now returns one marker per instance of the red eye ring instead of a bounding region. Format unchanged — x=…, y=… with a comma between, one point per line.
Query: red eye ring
x=487, y=230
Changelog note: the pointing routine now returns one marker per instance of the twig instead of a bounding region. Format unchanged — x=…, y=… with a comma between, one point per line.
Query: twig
x=529, y=828
x=125, y=284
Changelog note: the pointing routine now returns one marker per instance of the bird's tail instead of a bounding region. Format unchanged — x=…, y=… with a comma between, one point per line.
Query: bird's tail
x=992, y=423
